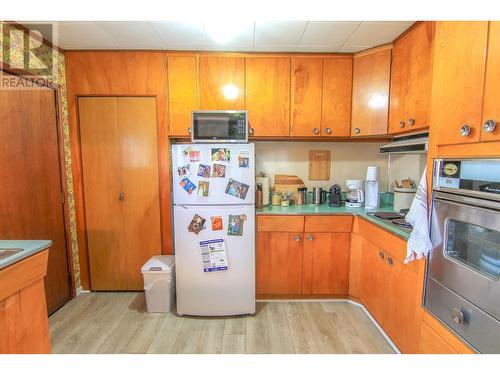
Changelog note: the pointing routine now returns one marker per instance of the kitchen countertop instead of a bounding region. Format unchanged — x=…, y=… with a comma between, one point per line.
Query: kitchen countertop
x=324, y=209
x=28, y=248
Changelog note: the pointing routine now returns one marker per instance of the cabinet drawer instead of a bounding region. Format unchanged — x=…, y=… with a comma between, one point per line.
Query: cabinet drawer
x=328, y=224
x=280, y=224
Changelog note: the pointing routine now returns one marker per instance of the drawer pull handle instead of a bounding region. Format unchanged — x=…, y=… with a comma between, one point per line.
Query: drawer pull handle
x=381, y=254
x=390, y=261
x=458, y=316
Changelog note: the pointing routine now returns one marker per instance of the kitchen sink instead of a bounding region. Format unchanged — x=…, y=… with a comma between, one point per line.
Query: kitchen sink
x=5, y=253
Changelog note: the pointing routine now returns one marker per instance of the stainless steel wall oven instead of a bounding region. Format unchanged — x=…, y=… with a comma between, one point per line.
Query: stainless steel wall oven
x=463, y=273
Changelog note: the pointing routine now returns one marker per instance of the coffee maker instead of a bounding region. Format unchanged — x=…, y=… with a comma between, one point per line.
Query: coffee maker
x=355, y=196
x=334, y=198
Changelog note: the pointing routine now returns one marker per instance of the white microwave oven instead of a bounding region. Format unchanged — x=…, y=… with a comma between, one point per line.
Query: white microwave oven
x=219, y=126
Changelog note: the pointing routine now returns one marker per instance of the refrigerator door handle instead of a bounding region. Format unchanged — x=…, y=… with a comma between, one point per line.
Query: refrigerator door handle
x=219, y=206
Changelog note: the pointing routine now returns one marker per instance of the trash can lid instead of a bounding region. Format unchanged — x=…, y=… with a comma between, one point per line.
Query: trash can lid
x=159, y=263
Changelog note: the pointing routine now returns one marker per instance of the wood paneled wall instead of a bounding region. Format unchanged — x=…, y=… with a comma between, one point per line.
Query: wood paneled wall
x=120, y=73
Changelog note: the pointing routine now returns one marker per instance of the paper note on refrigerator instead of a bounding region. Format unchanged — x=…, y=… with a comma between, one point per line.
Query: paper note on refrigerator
x=213, y=254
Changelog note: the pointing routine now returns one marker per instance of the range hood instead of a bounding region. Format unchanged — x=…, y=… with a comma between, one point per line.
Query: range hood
x=407, y=144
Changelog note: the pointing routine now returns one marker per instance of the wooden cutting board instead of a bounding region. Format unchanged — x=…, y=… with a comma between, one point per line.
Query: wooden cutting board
x=319, y=165
x=285, y=183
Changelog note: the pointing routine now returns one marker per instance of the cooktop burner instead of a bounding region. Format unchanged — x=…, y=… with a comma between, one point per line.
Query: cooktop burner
x=395, y=218
x=402, y=223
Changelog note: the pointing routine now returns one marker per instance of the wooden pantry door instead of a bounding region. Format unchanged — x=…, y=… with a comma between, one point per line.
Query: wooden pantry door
x=31, y=206
x=118, y=138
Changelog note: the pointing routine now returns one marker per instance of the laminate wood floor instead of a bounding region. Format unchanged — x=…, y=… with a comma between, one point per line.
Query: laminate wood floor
x=119, y=323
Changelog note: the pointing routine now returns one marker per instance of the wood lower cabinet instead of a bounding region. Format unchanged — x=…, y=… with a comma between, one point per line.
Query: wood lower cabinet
x=459, y=64
x=291, y=259
x=182, y=74
x=370, y=92
x=326, y=263
x=268, y=96
x=390, y=289
x=279, y=263
x=373, y=280
x=24, y=326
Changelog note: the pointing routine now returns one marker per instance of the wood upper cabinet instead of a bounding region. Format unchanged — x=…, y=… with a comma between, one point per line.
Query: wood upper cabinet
x=326, y=263
x=222, y=82
x=491, y=103
x=268, y=96
x=337, y=95
x=400, y=84
x=182, y=92
x=370, y=96
x=411, y=79
x=307, y=83
x=458, y=80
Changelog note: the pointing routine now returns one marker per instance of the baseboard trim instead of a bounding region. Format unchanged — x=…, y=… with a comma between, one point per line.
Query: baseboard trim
x=367, y=313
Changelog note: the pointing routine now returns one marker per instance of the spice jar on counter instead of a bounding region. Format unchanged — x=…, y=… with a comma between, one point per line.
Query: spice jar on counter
x=276, y=198
x=259, y=196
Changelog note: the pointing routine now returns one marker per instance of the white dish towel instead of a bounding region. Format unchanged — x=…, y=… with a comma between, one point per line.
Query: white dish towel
x=419, y=243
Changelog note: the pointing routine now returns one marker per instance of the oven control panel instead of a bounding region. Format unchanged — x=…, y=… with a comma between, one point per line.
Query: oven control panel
x=471, y=175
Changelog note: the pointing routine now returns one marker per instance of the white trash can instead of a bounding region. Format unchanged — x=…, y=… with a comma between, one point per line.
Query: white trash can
x=159, y=283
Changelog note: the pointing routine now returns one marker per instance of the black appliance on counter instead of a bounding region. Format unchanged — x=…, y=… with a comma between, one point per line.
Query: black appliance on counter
x=334, y=196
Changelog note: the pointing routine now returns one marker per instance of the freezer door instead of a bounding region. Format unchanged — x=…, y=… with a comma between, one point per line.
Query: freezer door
x=216, y=293
x=203, y=157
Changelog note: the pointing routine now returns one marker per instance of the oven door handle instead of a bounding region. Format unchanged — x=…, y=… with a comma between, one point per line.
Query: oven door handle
x=465, y=200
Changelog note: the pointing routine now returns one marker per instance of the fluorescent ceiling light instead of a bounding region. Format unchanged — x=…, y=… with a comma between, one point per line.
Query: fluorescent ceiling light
x=223, y=32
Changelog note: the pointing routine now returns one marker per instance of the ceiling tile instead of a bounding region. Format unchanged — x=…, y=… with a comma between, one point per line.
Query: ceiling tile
x=230, y=34
x=333, y=34
x=275, y=33
x=132, y=34
x=376, y=33
x=317, y=49
x=352, y=48
x=179, y=33
x=283, y=48
x=83, y=35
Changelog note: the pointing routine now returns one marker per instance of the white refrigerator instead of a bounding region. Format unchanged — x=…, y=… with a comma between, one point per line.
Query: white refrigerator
x=214, y=228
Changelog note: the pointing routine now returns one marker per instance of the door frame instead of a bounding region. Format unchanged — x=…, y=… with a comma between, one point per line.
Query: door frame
x=77, y=148
x=56, y=88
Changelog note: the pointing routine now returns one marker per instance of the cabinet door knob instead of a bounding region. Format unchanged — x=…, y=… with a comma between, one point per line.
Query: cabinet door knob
x=328, y=131
x=297, y=238
x=189, y=130
x=389, y=261
x=411, y=121
x=489, y=126
x=316, y=131
x=357, y=130
x=250, y=131
x=381, y=254
x=465, y=130
x=401, y=124
x=458, y=316
x=310, y=237
x=121, y=196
